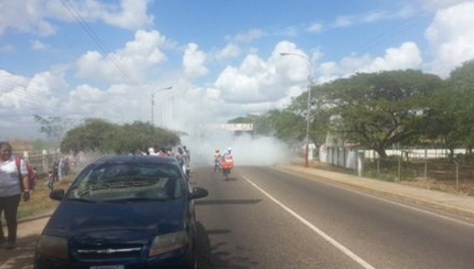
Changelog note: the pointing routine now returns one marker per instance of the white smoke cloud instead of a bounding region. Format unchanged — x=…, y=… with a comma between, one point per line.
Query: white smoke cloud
x=246, y=150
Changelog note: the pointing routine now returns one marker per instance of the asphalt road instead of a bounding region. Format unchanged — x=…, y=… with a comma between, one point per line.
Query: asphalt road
x=264, y=218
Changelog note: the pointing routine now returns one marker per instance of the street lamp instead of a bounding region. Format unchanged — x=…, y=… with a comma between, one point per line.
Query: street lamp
x=309, y=65
x=153, y=102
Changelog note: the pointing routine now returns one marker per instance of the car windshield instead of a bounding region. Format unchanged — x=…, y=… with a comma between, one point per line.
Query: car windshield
x=128, y=182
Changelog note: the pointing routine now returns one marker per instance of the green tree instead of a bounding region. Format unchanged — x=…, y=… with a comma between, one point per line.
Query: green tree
x=288, y=126
x=102, y=136
x=451, y=118
x=378, y=110
x=462, y=82
x=140, y=135
x=93, y=135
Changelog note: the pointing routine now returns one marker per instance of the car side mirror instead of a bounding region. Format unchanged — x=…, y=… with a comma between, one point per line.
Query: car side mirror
x=57, y=195
x=198, y=192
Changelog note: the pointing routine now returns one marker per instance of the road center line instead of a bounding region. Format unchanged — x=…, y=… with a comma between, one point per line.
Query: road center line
x=326, y=237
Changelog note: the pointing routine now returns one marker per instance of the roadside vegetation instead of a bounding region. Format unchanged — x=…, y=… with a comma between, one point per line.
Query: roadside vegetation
x=40, y=203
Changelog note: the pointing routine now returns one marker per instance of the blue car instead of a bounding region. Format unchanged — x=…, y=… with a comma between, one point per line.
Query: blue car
x=123, y=212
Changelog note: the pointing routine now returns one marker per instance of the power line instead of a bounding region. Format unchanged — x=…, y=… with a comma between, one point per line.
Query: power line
x=96, y=39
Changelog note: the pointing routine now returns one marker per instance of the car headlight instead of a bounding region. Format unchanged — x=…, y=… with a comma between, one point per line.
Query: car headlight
x=53, y=246
x=168, y=242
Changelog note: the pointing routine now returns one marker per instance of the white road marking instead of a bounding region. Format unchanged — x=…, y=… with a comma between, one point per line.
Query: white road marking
x=326, y=237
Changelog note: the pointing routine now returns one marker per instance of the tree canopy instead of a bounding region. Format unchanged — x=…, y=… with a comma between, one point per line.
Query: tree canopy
x=377, y=109
x=451, y=115
x=102, y=136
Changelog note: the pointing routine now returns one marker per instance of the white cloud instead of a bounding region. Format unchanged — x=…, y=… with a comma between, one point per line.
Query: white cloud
x=250, y=82
x=257, y=85
x=43, y=88
x=440, y=4
x=407, y=56
x=86, y=94
x=130, y=64
x=132, y=16
x=25, y=16
x=296, y=65
x=315, y=28
x=22, y=97
x=343, y=21
x=12, y=90
x=229, y=52
x=129, y=14
x=194, y=61
x=374, y=16
x=7, y=49
x=119, y=103
x=289, y=31
x=39, y=16
x=38, y=45
x=247, y=37
x=451, y=37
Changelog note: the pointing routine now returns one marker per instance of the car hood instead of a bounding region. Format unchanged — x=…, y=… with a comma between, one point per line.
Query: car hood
x=91, y=222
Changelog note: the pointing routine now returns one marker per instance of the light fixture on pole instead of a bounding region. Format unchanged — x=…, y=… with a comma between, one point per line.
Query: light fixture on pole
x=309, y=65
x=153, y=103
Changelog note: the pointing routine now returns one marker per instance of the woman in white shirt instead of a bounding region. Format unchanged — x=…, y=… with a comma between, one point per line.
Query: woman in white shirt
x=12, y=187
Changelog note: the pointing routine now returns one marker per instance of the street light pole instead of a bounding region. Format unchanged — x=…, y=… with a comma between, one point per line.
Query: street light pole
x=309, y=65
x=153, y=103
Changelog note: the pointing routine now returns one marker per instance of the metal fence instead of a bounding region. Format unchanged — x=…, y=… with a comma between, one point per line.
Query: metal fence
x=41, y=160
x=430, y=164
x=45, y=160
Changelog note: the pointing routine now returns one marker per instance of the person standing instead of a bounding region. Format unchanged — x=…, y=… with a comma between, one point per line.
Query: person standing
x=180, y=158
x=50, y=182
x=13, y=185
x=217, y=161
x=187, y=161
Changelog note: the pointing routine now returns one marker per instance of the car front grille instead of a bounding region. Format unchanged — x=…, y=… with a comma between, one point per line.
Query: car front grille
x=109, y=253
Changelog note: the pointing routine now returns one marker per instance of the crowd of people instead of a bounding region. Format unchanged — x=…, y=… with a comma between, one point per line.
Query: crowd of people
x=182, y=155
x=60, y=169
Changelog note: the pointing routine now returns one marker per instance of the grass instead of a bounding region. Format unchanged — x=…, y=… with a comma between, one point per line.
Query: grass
x=40, y=203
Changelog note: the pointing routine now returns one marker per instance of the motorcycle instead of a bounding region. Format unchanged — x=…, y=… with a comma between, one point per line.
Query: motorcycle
x=225, y=173
x=226, y=166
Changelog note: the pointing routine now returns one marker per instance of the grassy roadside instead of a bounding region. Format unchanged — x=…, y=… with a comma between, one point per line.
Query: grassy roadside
x=40, y=203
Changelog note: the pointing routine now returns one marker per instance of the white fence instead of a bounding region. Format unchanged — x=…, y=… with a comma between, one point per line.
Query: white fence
x=348, y=157
x=414, y=153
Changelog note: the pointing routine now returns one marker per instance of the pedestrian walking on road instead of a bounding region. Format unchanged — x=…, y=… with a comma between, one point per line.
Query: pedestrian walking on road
x=14, y=184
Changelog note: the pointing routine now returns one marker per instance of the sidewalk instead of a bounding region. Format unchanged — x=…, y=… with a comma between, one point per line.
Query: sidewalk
x=447, y=202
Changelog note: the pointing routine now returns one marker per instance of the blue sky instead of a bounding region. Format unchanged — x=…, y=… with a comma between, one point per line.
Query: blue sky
x=105, y=59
